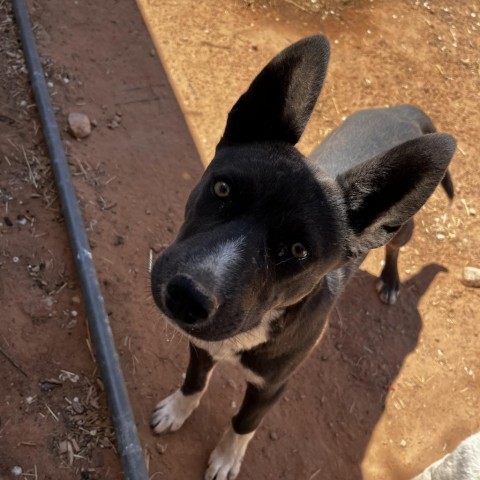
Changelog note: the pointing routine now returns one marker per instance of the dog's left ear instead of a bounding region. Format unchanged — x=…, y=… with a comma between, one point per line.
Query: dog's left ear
x=279, y=102
x=381, y=194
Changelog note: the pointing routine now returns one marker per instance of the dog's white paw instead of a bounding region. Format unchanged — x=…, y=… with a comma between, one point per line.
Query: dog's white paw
x=170, y=414
x=226, y=460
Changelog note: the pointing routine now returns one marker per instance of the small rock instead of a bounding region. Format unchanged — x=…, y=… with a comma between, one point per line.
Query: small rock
x=273, y=436
x=49, y=385
x=22, y=220
x=79, y=125
x=77, y=406
x=17, y=471
x=76, y=299
x=403, y=443
x=471, y=277
x=116, y=121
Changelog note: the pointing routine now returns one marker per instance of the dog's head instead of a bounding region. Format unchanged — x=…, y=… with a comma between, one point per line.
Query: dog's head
x=264, y=225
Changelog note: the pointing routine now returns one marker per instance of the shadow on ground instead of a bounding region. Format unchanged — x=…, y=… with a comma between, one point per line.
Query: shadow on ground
x=335, y=401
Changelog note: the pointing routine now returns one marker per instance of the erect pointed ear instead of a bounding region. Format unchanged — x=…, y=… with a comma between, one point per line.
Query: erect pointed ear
x=381, y=194
x=280, y=100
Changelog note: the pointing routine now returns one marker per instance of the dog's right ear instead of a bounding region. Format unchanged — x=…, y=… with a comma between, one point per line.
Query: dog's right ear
x=382, y=193
x=279, y=102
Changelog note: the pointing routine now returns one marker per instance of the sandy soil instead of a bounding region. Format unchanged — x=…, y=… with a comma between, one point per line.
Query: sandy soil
x=390, y=389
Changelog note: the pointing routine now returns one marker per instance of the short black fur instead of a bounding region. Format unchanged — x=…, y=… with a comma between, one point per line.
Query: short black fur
x=357, y=191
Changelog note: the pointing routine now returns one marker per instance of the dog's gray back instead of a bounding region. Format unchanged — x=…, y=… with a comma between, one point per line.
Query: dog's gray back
x=368, y=133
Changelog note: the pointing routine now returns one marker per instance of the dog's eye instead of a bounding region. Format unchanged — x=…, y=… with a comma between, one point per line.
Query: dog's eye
x=221, y=189
x=299, y=250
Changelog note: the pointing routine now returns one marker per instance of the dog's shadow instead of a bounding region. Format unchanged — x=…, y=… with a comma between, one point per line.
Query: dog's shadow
x=335, y=400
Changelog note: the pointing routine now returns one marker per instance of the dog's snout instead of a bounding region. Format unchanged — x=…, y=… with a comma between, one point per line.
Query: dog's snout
x=187, y=301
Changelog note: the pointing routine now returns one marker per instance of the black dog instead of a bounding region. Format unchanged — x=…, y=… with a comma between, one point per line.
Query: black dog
x=271, y=238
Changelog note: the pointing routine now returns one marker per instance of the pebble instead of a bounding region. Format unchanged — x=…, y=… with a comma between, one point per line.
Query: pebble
x=403, y=443
x=471, y=277
x=17, y=471
x=273, y=436
x=77, y=406
x=115, y=123
x=79, y=125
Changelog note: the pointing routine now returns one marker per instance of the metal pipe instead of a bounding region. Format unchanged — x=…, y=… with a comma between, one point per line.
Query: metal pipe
x=128, y=443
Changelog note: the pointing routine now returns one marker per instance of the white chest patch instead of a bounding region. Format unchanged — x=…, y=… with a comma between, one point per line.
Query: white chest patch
x=227, y=350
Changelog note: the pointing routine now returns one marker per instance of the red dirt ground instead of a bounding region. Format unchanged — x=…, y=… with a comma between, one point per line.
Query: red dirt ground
x=389, y=390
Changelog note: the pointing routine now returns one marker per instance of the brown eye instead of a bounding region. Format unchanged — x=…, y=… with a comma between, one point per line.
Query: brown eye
x=221, y=189
x=299, y=251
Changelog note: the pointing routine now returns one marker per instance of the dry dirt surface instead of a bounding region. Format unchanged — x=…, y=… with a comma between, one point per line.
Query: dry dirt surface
x=390, y=389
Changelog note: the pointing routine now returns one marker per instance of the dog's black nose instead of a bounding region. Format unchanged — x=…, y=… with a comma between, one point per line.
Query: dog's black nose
x=186, y=302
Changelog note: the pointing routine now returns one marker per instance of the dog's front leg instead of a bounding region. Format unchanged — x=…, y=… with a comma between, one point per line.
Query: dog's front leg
x=226, y=460
x=170, y=414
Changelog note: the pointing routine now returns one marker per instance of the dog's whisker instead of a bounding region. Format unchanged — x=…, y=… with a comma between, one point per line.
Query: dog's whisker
x=285, y=261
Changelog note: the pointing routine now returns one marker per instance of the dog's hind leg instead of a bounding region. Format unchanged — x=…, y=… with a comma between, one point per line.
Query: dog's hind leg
x=226, y=460
x=388, y=285
x=170, y=414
